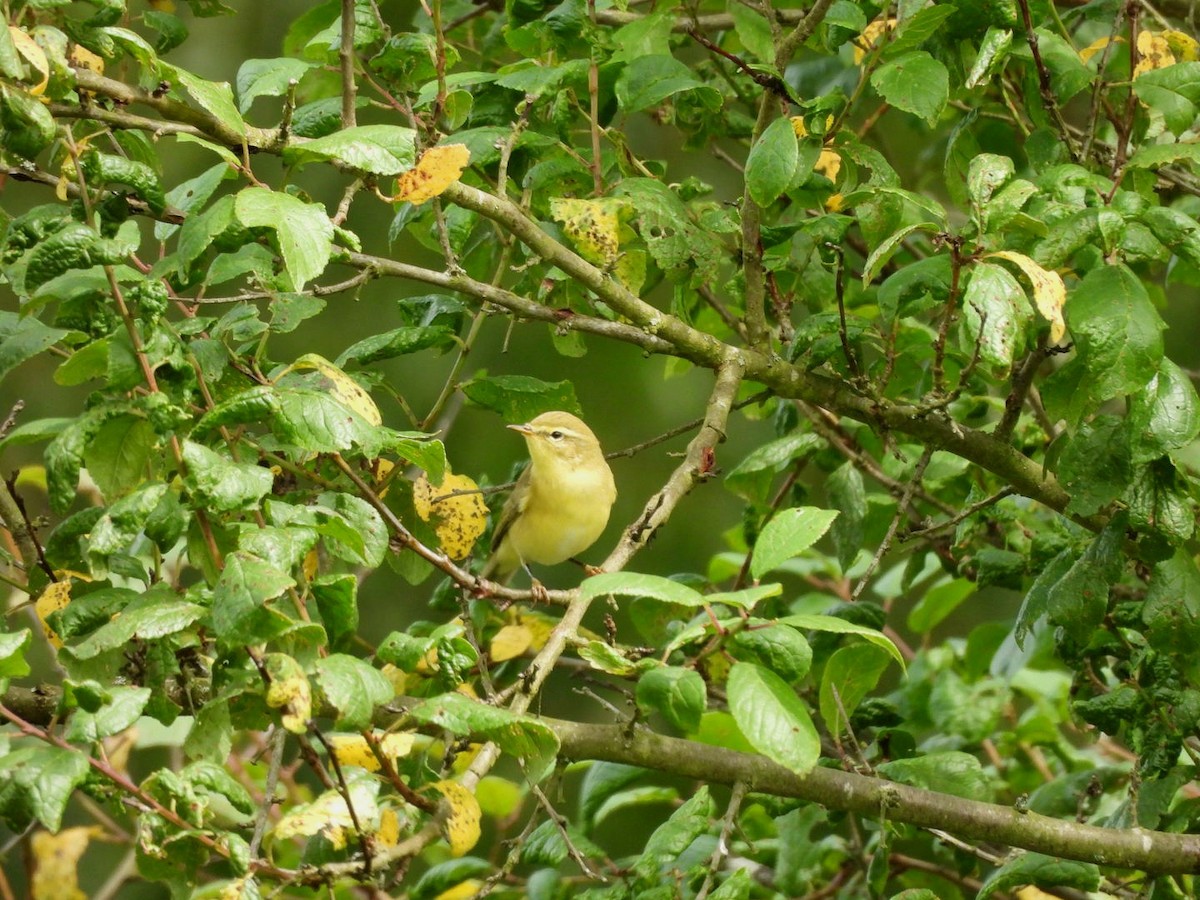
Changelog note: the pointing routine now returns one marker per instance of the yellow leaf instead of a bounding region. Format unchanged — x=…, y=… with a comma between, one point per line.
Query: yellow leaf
x=389, y=828
x=382, y=470
x=870, y=36
x=1097, y=46
x=829, y=163
x=464, y=758
x=460, y=827
x=83, y=58
x=290, y=691
x=461, y=891
x=1033, y=893
x=32, y=476
x=1153, y=52
x=594, y=226
x=799, y=127
x=455, y=508
x=510, y=642
x=1049, y=292
x=344, y=388
x=34, y=55
x=56, y=858
x=55, y=597
x=1183, y=45
x=353, y=749
x=539, y=626
x=835, y=202
x=436, y=170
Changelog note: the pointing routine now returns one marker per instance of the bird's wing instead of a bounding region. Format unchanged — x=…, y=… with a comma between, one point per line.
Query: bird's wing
x=513, y=507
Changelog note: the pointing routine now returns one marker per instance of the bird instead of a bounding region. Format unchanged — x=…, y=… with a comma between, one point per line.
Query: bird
x=560, y=504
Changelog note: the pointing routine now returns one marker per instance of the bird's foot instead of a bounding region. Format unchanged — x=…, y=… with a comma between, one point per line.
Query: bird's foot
x=539, y=592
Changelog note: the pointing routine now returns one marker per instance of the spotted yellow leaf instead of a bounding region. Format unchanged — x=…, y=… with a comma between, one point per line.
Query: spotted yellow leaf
x=1049, y=292
x=329, y=815
x=83, y=58
x=829, y=163
x=353, y=749
x=510, y=642
x=344, y=388
x=594, y=226
x=436, y=170
x=1185, y=47
x=34, y=55
x=55, y=597
x=456, y=510
x=1153, y=52
x=56, y=863
x=460, y=827
x=289, y=691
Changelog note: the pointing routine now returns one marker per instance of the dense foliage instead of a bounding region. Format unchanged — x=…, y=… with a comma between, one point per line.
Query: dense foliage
x=948, y=650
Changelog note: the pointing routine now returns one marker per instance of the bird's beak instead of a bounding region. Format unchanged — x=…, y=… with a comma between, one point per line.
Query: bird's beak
x=525, y=429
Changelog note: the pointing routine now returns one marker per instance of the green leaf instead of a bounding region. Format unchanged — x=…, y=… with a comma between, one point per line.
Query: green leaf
x=788, y=534
x=221, y=484
x=1078, y=601
x=808, y=622
x=1095, y=466
x=38, y=784
x=1176, y=229
x=214, y=97
x=147, y=617
x=520, y=736
x=123, y=707
x=303, y=232
x=752, y=477
x=635, y=584
x=1172, y=609
x=397, y=342
x=678, y=694
x=916, y=83
x=996, y=313
x=950, y=772
x=754, y=32
x=354, y=687
x=676, y=835
x=24, y=338
x=519, y=398
x=1118, y=331
x=602, y=781
x=1172, y=92
x=118, y=455
x=917, y=28
x=992, y=55
x=12, y=653
x=847, y=494
x=649, y=80
x=377, y=149
x=337, y=601
x=267, y=78
x=851, y=673
x=1165, y=416
x=779, y=648
x=771, y=165
x=1041, y=871
x=239, y=612
x=937, y=603
x=773, y=718
x=882, y=253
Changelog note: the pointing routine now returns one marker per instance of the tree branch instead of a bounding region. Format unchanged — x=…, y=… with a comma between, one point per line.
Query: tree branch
x=1155, y=852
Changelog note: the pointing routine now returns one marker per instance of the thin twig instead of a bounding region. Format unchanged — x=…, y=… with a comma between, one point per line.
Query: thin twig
x=346, y=59
x=721, y=851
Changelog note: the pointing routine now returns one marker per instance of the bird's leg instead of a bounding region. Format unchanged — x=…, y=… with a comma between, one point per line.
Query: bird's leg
x=588, y=570
x=536, y=588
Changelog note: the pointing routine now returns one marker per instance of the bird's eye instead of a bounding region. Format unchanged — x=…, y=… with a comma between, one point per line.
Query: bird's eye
x=556, y=435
